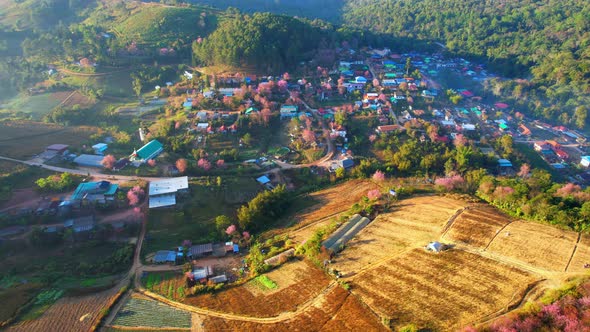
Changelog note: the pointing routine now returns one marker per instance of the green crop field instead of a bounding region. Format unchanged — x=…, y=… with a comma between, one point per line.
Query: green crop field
x=143, y=312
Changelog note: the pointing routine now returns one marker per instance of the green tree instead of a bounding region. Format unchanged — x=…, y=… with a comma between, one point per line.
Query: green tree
x=137, y=86
x=581, y=114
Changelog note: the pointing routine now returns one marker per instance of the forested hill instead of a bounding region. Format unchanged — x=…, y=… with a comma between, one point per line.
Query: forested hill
x=263, y=40
x=548, y=41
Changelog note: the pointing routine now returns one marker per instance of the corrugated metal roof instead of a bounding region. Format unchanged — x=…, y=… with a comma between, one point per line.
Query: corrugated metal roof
x=200, y=249
x=150, y=150
x=89, y=160
x=162, y=201
x=168, y=186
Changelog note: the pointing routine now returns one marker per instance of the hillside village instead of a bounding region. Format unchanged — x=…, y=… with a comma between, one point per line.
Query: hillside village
x=344, y=194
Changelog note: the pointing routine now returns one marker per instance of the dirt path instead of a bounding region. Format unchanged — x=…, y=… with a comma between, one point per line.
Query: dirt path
x=573, y=252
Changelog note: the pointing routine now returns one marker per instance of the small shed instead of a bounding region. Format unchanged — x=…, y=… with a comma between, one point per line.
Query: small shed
x=100, y=148
x=219, y=279
x=263, y=179
x=435, y=246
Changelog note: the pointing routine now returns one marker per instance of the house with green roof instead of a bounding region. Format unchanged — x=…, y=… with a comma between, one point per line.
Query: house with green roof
x=149, y=151
x=100, y=191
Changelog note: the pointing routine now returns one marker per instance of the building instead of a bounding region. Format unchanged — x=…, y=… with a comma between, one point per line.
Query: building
x=387, y=129
x=100, y=191
x=200, y=250
x=57, y=148
x=149, y=151
x=82, y=224
x=585, y=161
x=435, y=247
x=100, y=148
x=542, y=146
x=165, y=256
x=342, y=163
x=89, y=160
x=289, y=111
x=163, y=192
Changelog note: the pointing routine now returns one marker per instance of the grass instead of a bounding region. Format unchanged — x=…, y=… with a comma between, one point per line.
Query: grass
x=194, y=217
x=36, y=106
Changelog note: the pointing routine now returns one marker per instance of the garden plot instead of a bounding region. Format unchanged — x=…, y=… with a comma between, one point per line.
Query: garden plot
x=139, y=311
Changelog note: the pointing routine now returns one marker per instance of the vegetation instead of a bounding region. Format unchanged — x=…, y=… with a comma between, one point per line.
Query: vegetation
x=264, y=41
x=547, y=40
x=263, y=210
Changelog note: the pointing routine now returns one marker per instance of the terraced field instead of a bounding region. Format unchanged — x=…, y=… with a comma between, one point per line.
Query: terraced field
x=444, y=291
x=477, y=226
x=413, y=223
x=582, y=255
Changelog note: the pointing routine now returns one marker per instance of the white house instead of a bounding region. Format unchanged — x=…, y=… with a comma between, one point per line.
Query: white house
x=585, y=161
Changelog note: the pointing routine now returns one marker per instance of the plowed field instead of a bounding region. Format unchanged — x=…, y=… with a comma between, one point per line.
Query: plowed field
x=477, y=226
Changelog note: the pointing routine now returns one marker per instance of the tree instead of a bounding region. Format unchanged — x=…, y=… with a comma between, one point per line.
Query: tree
x=137, y=86
x=135, y=195
x=222, y=222
x=340, y=172
x=524, y=171
x=151, y=162
x=220, y=163
x=379, y=176
x=308, y=136
x=581, y=114
x=108, y=161
x=247, y=139
x=204, y=164
x=181, y=165
x=374, y=194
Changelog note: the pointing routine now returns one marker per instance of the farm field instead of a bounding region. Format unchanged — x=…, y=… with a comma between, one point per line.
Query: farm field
x=337, y=311
x=309, y=282
x=414, y=223
x=69, y=313
x=477, y=225
x=12, y=298
x=539, y=245
x=23, y=139
x=581, y=256
x=139, y=311
x=329, y=202
x=440, y=291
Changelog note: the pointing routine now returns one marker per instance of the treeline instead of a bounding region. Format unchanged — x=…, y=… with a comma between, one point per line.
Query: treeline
x=264, y=209
x=547, y=40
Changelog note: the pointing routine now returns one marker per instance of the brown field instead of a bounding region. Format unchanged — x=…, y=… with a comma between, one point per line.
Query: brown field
x=69, y=313
x=477, y=225
x=581, y=256
x=310, y=281
x=339, y=311
x=23, y=139
x=440, y=291
x=72, y=98
x=330, y=202
x=15, y=297
x=539, y=245
x=413, y=223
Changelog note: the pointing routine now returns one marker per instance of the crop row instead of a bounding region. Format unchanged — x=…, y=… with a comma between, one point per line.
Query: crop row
x=140, y=312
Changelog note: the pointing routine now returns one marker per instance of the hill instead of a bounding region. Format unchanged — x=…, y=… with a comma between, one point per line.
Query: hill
x=264, y=41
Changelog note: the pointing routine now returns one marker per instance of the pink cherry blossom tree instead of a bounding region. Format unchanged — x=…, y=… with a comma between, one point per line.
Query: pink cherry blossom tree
x=374, y=194
x=379, y=176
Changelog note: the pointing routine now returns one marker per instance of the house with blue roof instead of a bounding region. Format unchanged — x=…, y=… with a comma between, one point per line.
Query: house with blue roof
x=100, y=191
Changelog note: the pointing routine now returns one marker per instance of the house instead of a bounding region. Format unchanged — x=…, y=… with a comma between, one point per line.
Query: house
x=202, y=273
x=202, y=126
x=468, y=127
x=251, y=110
x=187, y=105
x=360, y=79
x=289, y=111
x=95, y=191
x=149, y=151
x=79, y=225
x=57, y=148
x=387, y=129
x=200, y=250
x=218, y=279
x=524, y=130
x=562, y=154
x=208, y=94
x=542, y=146
x=100, y=148
x=585, y=161
x=342, y=163
x=163, y=192
x=164, y=256
x=202, y=115
x=89, y=160
x=263, y=180
x=227, y=92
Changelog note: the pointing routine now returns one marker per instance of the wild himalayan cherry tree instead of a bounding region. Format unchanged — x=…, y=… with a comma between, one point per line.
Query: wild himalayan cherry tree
x=286, y=76
x=524, y=171
x=108, y=161
x=379, y=176
x=282, y=84
x=450, y=183
x=204, y=164
x=374, y=194
x=151, y=162
x=460, y=140
x=187, y=243
x=231, y=229
x=308, y=135
x=181, y=165
x=372, y=138
x=135, y=194
x=502, y=192
x=245, y=235
x=220, y=163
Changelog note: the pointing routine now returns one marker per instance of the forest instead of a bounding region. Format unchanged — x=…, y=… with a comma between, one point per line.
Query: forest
x=262, y=40
x=541, y=44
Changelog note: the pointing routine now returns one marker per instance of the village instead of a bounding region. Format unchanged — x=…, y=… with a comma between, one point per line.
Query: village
x=214, y=142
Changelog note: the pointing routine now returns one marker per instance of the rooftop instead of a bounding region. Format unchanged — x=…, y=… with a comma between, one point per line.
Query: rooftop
x=150, y=150
x=167, y=186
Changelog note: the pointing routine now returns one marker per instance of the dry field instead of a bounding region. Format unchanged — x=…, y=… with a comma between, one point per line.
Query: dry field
x=477, y=226
x=541, y=246
x=414, y=223
x=69, y=313
x=309, y=282
x=330, y=202
x=581, y=256
x=339, y=311
x=23, y=139
x=442, y=291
